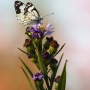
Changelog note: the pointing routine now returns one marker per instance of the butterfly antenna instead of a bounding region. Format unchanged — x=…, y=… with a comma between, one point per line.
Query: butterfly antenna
x=48, y=15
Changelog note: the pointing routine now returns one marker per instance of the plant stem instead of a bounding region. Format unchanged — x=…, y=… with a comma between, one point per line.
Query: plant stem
x=42, y=66
x=40, y=61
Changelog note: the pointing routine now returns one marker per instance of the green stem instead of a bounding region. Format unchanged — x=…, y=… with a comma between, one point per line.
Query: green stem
x=42, y=66
x=43, y=69
x=40, y=61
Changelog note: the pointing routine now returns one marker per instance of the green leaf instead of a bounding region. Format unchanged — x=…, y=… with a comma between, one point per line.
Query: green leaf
x=60, y=61
x=53, y=77
x=22, y=51
x=28, y=78
x=59, y=50
x=30, y=72
x=62, y=82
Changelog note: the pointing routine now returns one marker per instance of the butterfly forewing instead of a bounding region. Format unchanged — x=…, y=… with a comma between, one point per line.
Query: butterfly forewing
x=26, y=14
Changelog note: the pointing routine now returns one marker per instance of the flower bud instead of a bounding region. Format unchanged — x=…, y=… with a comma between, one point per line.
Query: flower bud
x=57, y=79
x=47, y=43
x=27, y=43
x=53, y=64
x=53, y=47
x=46, y=58
x=56, y=86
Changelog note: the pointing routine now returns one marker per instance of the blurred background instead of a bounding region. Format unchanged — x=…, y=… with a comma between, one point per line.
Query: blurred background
x=71, y=22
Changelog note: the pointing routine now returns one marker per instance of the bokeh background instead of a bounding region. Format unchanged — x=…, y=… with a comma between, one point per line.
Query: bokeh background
x=71, y=22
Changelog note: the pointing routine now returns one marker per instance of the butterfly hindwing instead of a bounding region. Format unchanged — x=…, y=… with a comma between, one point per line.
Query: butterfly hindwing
x=27, y=14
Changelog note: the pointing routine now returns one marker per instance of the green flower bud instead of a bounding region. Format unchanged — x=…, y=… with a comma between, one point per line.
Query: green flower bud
x=46, y=45
x=34, y=60
x=31, y=49
x=52, y=50
x=46, y=61
x=39, y=83
x=56, y=86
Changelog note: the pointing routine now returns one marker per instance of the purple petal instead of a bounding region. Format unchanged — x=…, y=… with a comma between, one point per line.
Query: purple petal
x=40, y=77
x=31, y=30
x=34, y=78
x=48, y=33
x=48, y=26
x=35, y=27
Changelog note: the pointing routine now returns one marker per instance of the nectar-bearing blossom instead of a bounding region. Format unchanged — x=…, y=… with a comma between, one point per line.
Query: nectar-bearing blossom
x=39, y=30
x=38, y=76
x=36, y=32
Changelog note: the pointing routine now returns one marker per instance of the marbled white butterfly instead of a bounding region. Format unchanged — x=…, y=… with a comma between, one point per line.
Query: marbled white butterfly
x=27, y=14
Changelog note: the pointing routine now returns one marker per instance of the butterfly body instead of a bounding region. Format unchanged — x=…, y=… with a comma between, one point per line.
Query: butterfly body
x=27, y=14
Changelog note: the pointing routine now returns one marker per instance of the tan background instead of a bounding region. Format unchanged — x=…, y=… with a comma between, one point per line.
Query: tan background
x=72, y=26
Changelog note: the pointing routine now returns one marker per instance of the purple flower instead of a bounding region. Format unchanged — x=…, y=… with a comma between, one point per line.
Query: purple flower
x=38, y=76
x=36, y=34
x=39, y=30
x=36, y=31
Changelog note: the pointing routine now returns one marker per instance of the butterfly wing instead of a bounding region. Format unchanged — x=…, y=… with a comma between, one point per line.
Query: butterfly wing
x=19, y=8
x=26, y=14
x=32, y=16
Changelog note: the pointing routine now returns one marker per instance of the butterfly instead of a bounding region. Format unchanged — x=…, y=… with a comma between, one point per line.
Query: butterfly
x=27, y=14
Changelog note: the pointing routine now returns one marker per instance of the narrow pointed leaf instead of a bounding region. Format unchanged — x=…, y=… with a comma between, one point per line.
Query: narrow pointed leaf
x=59, y=50
x=30, y=72
x=22, y=51
x=60, y=61
x=52, y=79
x=62, y=82
x=28, y=79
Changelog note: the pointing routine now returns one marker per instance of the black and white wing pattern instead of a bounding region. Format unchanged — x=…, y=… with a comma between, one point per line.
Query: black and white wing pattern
x=27, y=14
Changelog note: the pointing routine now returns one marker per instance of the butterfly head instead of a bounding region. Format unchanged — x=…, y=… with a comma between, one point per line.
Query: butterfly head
x=40, y=21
